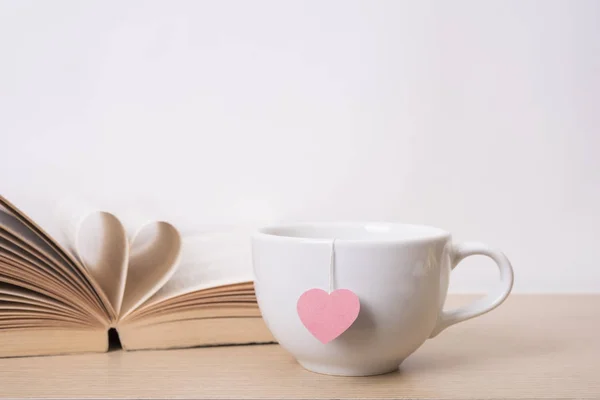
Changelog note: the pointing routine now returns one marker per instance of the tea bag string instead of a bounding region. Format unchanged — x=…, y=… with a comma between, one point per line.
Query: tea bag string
x=331, y=266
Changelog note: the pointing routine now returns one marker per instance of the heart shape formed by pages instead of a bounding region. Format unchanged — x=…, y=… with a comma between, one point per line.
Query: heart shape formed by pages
x=328, y=315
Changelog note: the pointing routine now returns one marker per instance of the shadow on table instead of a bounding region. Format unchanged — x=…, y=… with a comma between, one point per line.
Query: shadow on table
x=114, y=343
x=454, y=350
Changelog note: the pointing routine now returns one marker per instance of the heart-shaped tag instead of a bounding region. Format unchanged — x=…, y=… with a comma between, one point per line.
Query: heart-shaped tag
x=328, y=315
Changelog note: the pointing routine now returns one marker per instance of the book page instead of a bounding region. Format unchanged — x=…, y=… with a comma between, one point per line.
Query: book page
x=16, y=232
x=22, y=226
x=16, y=268
x=196, y=331
x=22, y=295
x=209, y=260
x=39, y=264
x=155, y=254
x=38, y=260
x=99, y=241
x=47, y=339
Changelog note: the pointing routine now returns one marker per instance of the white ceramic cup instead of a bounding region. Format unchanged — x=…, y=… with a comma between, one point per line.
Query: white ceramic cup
x=399, y=272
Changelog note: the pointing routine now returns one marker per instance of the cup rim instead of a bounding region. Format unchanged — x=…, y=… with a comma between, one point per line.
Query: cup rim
x=269, y=232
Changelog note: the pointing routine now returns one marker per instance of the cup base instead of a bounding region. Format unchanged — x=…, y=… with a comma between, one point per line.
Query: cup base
x=337, y=370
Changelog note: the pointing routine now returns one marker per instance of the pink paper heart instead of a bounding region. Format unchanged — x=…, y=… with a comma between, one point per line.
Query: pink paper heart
x=325, y=315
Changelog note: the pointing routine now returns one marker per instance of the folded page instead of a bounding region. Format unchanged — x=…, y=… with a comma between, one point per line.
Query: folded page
x=99, y=241
x=154, y=257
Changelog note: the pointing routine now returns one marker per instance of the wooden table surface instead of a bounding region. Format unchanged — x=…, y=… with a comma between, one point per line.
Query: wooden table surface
x=533, y=346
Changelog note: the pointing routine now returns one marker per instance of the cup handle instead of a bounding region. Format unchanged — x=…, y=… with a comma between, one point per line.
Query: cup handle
x=492, y=300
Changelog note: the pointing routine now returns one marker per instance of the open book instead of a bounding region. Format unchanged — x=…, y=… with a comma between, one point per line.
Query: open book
x=157, y=289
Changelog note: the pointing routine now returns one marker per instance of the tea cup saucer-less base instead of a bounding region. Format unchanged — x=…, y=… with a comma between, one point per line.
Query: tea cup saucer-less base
x=370, y=370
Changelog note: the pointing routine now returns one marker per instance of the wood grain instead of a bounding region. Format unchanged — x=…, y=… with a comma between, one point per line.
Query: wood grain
x=533, y=346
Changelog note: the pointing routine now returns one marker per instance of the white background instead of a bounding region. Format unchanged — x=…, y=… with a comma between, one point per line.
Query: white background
x=478, y=117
